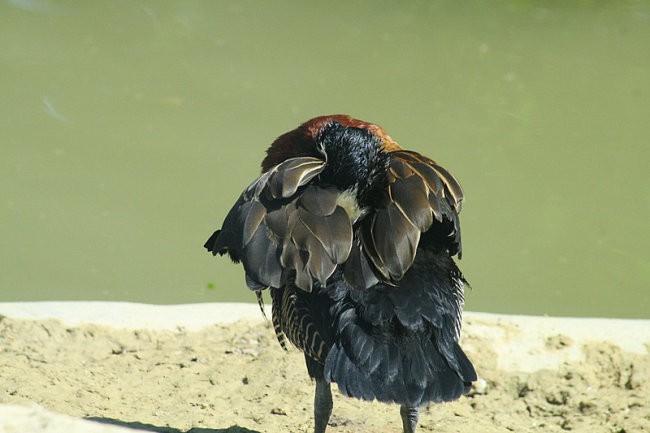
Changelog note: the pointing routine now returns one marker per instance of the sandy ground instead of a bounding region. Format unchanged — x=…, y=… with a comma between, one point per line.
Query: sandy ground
x=199, y=369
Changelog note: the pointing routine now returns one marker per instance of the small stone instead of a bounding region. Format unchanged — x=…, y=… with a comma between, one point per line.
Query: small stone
x=278, y=411
x=479, y=387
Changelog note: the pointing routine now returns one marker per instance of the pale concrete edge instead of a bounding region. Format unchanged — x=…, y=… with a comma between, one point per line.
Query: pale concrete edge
x=129, y=315
x=195, y=316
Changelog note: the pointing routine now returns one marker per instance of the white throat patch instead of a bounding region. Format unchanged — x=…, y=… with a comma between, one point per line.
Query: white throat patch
x=348, y=201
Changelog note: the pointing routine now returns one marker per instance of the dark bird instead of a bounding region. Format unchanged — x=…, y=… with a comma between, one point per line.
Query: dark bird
x=355, y=237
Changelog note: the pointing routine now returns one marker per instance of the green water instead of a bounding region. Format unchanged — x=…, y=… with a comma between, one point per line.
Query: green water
x=128, y=128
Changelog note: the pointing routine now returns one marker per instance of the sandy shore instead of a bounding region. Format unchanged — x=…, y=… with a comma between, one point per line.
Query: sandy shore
x=208, y=368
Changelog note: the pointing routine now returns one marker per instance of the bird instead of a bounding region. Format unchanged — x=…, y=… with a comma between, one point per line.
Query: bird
x=355, y=238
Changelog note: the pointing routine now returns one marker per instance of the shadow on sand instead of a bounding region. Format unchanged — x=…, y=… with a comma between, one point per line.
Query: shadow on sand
x=153, y=428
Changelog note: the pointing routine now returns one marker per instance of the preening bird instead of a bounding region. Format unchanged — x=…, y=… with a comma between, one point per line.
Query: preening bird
x=354, y=237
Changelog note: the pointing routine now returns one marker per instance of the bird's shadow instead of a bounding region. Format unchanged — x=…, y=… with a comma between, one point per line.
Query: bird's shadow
x=158, y=429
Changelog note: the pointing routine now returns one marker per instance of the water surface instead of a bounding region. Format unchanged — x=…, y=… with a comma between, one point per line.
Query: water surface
x=129, y=128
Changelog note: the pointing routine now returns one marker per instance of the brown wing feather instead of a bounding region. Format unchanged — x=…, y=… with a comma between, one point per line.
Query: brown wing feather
x=252, y=214
x=410, y=196
x=421, y=164
x=326, y=220
x=282, y=228
x=283, y=180
x=394, y=239
x=419, y=192
x=357, y=270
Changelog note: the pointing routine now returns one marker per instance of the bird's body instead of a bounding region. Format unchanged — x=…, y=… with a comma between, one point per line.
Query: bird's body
x=354, y=237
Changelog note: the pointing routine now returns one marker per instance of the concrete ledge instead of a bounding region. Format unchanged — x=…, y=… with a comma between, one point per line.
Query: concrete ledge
x=131, y=315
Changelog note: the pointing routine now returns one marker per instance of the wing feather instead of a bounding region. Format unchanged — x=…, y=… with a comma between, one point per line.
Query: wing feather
x=286, y=177
x=326, y=221
x=410, y=196
x=357, y=270
x=320, y=201
x=285, y=227
x=452, y=187
x=395, y=240
x=419, y=194
x=252, y=214
x=261, y=260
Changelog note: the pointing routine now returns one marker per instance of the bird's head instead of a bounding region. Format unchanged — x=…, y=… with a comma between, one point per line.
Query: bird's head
x=356, y=153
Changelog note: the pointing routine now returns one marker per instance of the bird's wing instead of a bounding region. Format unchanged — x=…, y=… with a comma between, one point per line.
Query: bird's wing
x=420, y=195
x=283, y=223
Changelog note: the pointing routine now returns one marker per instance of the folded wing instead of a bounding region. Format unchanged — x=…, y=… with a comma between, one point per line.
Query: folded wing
x=420, y=195
x=283, y=227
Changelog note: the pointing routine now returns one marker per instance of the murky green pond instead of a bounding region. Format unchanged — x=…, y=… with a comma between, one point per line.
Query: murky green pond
x=128, y=128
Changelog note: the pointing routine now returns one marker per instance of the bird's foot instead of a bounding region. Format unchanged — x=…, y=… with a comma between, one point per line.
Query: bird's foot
x=322, y=405
x=410, y=417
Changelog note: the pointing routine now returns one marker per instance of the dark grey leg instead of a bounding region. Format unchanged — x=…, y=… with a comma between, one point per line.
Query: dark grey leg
x=410, y=417
x=322, y=405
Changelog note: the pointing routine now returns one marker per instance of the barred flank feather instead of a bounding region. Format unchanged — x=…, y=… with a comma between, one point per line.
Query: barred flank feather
x=277, y=319
x=293, y=319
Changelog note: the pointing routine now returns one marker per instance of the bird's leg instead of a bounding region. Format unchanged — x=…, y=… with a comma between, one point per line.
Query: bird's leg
x=322, y=405
x=410, y=417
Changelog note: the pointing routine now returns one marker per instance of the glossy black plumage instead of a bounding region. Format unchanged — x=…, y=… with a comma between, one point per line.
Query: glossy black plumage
x=354, y=236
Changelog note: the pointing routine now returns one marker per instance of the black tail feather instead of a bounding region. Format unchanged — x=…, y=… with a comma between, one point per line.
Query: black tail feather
x=211, y=243
x=467, y=371
x=394, y=365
